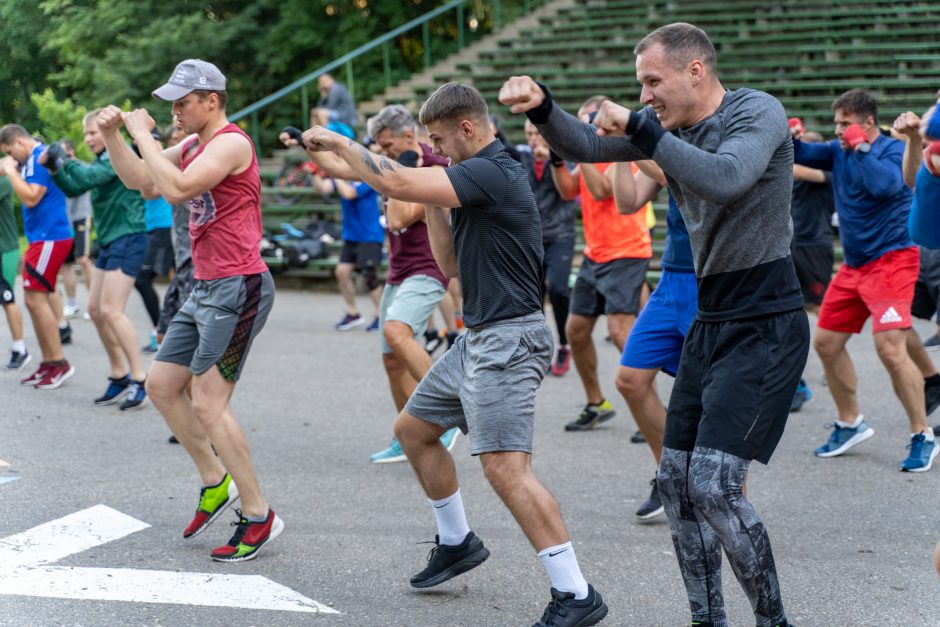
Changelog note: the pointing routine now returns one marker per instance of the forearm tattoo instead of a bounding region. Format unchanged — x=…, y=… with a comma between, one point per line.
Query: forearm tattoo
x=384, y=163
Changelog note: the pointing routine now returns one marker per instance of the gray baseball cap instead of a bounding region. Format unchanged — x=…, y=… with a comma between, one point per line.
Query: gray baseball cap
x=190, y=75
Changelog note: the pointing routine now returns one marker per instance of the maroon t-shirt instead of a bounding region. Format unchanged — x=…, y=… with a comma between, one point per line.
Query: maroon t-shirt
x=409, y=250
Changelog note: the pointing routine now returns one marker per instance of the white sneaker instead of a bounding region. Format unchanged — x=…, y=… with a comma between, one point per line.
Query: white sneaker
x=71, y=311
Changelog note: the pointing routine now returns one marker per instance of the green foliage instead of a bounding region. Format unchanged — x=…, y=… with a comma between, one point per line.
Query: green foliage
x=91, y=53
x=60, y=119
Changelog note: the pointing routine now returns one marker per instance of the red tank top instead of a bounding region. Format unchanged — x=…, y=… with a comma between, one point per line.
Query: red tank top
x=225, y=222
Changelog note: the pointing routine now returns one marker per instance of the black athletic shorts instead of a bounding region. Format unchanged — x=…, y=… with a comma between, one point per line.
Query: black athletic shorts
x=365, y=256
x=813, y=270
x=735, y=383
x=611, y=287
x=927, y=289
x=81, y=244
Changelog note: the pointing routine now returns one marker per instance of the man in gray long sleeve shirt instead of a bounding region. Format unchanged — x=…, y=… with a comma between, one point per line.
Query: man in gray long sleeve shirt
x=728, y=161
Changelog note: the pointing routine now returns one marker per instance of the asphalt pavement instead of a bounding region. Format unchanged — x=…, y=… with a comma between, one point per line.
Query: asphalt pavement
x=852, y=536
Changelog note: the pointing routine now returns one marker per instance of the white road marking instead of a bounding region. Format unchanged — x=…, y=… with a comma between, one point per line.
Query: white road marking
x=25, y=570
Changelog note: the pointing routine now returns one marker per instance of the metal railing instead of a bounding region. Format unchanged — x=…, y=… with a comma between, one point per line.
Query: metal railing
x=346, y=61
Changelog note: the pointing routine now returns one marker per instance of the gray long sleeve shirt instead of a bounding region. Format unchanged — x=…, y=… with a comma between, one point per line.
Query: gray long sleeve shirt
x=339, y=100
x=731, y=175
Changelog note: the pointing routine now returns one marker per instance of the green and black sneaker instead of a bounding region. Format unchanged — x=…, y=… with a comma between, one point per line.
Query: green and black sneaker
x=591, y=416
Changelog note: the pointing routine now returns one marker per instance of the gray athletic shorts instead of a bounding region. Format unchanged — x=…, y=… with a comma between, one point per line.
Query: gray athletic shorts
x=217, y=324
x=412, y=302
x=486, y=384
x=611, y=287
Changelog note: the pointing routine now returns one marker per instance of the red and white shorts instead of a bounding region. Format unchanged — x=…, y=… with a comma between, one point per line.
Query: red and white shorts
x=41, y=264
x=882, y=289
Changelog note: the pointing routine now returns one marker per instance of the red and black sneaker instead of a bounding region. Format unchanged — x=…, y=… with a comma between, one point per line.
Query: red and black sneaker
x=249, y=538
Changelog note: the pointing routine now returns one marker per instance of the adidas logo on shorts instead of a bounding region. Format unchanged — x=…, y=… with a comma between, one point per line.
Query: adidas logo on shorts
x=890, y=316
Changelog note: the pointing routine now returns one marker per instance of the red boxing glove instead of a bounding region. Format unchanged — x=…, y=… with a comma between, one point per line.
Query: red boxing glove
x=855, y=136
x=796, y=127
x=932, y=158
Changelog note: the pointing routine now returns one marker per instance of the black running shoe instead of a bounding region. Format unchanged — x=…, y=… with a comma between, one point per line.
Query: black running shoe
x=591, y=416
x=638, y=437
x=173, y=440
x=931, y=397
x=446, y=561
x=432, y=341
x=565, y=611
x=653, y=506
x=65, y=335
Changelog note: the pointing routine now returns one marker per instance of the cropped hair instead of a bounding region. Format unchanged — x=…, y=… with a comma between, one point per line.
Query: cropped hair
x=857, y=102
x=9, y=133
x=202, y=94
x=91, y=116
x=396, y=118
x=682, y=43
x=453, y=101
x=594, y=101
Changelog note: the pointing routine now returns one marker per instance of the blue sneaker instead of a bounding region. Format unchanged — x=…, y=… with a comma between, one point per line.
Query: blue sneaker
x=923, y=452
x=348, y=322
x=802, y=395
x=392, y=454
x=844, y=438
x=136, y=396
x=115, y=391
x=449, y=439
x=374, y=326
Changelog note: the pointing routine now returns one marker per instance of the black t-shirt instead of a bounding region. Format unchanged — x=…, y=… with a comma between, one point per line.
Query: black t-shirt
x=811, y=208
x=497, y=237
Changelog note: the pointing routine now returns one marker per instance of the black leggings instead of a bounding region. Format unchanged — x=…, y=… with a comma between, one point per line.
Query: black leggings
x=557, y=268
x=144, y=285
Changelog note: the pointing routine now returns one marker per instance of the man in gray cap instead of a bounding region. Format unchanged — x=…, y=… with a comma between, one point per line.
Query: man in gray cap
x=215, y=171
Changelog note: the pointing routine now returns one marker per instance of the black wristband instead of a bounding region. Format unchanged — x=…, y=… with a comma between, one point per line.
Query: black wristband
x=644, y=134
x=294, y=133
x=539, y=115
x=409, y=159
x=554, y=159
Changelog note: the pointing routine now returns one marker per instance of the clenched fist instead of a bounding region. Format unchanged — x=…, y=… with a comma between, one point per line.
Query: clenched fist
x=907, y=125
x=319, y=139
x=138, y=123
x=612, y=119
x=521, y=94
x=110, y=119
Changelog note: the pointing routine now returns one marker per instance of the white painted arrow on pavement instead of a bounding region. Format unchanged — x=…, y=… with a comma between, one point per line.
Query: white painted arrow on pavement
x=25, y=570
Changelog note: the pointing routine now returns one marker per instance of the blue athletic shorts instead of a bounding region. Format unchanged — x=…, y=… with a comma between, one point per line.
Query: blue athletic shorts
x=126, y=253
x=655, y=342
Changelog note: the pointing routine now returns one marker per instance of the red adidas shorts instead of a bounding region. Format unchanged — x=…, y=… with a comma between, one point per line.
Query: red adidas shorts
x=882, y=289
x=41, y=264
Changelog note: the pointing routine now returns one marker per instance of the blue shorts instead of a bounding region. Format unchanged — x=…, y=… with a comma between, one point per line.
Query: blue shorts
x=126, y=253
x=655, y=342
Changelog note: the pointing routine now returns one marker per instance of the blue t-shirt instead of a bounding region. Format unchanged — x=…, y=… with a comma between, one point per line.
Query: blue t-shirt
x=924, y=223
x=158, y=214
x=48, y=220
x=361, y=216
x=872, y=200
x=677, y=254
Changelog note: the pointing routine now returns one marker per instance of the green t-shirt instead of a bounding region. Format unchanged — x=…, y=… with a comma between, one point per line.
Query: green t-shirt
x=118, y=211
x=9, y=234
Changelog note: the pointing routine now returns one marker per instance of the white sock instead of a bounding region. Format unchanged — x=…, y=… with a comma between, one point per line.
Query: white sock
x=452, y=527
x=563, y=569
x=71, y=302
x=851, y=425
x=928, y=435
x=19, y=346
x=64, y=324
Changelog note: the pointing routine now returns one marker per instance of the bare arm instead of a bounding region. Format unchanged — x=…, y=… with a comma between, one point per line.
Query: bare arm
x=331, y=164
x=400, y=214
x=566, y=181
x=631, y=192
x=442, y=239
x=345, y=190
x=30, y=194
x=598, y=185
x=907, y=126
x=127, y=165
x=812, y=175
x=429, y=186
